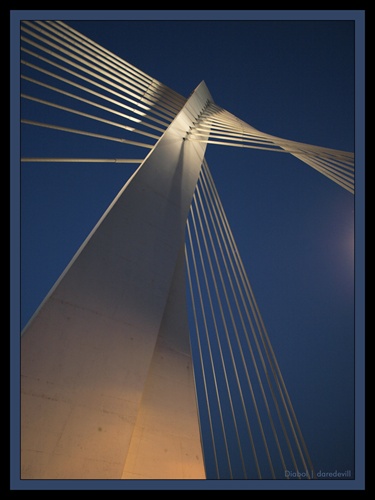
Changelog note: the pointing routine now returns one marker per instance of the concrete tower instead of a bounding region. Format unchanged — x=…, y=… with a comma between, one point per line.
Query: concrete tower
x=107, y=382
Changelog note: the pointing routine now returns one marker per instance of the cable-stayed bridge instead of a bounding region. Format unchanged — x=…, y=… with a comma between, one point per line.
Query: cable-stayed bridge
x=107, y=376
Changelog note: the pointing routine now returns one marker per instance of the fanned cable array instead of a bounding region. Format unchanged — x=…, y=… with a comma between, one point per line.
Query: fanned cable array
x=251, y=421
x=93, y=87
x=228, y=130
x=92, y=84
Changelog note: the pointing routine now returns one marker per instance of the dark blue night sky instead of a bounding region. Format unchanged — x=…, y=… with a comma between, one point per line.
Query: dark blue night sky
x=294, y=227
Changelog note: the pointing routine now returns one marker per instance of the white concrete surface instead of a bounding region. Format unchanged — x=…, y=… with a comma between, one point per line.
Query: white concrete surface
x=98, y=361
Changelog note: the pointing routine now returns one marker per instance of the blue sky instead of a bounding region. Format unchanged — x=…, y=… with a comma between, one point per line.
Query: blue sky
x=294, y=227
